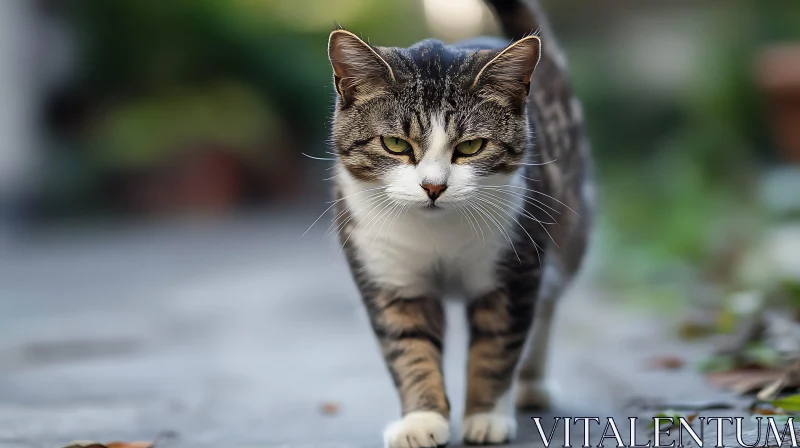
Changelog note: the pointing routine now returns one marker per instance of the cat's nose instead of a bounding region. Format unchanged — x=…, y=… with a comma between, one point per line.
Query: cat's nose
x=434, y=190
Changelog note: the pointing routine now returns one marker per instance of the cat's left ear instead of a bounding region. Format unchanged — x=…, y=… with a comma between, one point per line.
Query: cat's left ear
x=511, y=70
x=358, y=70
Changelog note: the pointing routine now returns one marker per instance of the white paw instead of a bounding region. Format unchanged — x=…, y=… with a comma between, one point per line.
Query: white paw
x=489, y=428
x=417, y=430
x=533, y=395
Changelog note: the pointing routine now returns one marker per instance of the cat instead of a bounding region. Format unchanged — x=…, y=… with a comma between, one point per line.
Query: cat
x=461, y=170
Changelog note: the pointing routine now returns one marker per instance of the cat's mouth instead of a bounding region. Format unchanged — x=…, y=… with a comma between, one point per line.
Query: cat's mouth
x=432, y=206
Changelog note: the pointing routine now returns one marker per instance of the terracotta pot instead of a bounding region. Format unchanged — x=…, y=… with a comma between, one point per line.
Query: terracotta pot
x=202, y=181
x=778, y=74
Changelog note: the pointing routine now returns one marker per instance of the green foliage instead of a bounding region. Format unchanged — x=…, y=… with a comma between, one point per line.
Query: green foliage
x=676, y=172
x=789, y=404
x=150, y=129
x=135, y=47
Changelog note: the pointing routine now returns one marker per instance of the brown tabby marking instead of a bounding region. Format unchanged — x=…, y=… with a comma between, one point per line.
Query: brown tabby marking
x=410, y=332
x=498, y=329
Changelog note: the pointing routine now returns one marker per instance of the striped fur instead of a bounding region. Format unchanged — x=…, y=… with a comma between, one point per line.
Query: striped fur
x=488, y=237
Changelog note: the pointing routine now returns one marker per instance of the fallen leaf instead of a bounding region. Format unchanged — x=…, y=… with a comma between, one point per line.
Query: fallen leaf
x=772, y=390
x=768, y=411
x=88, y=444
x=790, y=379
x=744, y=381
x=130, y=445
x=691, y=330
x=329, y=408
x=666, y=363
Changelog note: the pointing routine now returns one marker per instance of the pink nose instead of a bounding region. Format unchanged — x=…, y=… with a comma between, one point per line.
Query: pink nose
x=433, y=190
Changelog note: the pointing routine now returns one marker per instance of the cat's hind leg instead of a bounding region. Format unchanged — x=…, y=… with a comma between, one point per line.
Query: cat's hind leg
x=532, y=391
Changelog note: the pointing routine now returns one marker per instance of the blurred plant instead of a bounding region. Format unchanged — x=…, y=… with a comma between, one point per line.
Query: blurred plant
x=157, y=78
x=136, y=46
x=679, y=204
x=143, y=132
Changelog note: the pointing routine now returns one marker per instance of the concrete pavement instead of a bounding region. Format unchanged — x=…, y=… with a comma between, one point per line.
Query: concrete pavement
x=235, y=334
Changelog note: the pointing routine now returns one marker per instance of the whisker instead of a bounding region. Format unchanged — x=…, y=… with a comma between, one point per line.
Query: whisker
x=535, y=164
x=369, y=199
x=522, y=227
x=372, y=222
x=515, y=207
x=540, y=224
x=357, y=192
x=317, y=158
x=535, y=245
x=373, y=202
x=500, y=227
x=504, y=189
x=393, y=205
x=402, y=209
x=479, y=224
x=334, y=203
x=464, y=216
x=362, y=220
x=545, y=195
x=527, y=200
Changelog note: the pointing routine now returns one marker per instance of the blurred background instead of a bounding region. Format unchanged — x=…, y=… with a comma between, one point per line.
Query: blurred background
x=150, y=147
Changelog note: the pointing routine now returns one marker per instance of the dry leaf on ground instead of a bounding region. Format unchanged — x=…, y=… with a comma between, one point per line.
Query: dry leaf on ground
x=691, y=330
x=130, y=445
x=665, y=363
x=789, y=379
x=88, y=444
x=768, y=411
x=743, y=381
x=329, y=408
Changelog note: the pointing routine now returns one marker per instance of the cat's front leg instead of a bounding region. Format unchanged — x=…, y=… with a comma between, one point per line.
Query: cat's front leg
x=499, y=324
x=410, y=331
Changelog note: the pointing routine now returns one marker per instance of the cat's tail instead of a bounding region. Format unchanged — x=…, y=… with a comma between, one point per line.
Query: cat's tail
x=520, y=18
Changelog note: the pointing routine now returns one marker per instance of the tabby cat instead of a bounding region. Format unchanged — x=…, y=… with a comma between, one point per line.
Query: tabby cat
x=461, y=171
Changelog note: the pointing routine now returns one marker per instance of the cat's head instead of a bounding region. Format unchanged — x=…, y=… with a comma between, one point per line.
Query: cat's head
x=430, y=122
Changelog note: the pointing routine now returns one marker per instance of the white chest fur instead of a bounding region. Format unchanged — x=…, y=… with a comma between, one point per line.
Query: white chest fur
x=453, y=251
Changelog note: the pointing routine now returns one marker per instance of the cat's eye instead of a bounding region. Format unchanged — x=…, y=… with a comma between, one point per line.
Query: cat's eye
x=470, y=147
x=395, y=145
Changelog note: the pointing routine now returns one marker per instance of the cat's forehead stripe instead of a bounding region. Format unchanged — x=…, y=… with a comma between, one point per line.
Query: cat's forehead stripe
x=433, y=169
x=438, y=139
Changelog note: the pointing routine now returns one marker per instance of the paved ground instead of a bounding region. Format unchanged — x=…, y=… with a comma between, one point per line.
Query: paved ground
x=235, y=333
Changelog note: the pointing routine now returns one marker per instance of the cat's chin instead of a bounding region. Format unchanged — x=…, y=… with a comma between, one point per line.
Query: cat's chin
x=434, y=209
x=436, y=212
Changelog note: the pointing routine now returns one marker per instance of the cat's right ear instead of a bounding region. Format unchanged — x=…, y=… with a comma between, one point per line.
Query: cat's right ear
x=359, y=71
x=508, y=74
